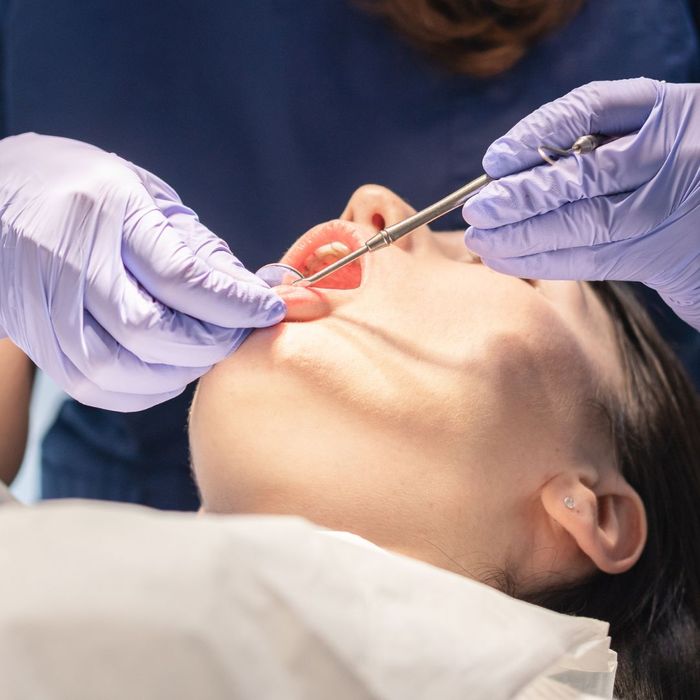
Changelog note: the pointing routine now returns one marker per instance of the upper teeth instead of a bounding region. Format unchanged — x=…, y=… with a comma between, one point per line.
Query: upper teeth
x=336, y=249
x=325, y=255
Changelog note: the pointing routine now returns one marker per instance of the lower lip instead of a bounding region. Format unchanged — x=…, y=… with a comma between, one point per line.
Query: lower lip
x=303, y=303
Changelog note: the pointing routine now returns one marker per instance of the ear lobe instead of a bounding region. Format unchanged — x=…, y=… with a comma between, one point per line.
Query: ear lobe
x=607, y=521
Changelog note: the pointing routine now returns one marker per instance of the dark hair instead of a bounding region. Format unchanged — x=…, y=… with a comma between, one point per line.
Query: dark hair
x=481, y=38
x=654, y=608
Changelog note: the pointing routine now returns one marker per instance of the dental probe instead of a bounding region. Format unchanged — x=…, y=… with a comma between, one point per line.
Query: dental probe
x=392, y=233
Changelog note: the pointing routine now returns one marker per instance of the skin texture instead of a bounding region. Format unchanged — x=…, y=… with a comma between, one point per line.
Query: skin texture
x=439, y=409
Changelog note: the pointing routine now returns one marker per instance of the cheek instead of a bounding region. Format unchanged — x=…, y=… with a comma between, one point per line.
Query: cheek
x=222, y=415
x=203, y=442
x=538, y=382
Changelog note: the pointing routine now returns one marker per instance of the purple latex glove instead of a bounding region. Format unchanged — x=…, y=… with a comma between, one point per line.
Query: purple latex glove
x=108, y=282
x=628, y=211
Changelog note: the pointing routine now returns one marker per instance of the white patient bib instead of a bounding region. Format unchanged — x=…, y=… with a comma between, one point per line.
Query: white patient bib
x=114, y=601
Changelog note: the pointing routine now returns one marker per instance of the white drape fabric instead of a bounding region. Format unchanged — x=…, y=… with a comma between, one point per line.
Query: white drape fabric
x=113, y=601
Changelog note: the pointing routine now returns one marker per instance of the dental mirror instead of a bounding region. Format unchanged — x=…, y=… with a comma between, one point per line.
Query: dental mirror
x=279, y=273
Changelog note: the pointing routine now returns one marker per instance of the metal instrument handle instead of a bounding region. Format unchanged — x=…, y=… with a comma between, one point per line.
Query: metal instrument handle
x=392, y=233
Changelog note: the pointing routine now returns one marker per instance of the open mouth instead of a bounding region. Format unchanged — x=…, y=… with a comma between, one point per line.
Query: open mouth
x=322, y=246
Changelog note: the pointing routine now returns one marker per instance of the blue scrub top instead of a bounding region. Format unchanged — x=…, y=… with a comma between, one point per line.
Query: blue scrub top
x=265, y=115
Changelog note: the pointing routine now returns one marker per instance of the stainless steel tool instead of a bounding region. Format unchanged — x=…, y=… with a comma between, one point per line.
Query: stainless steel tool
x=391, y=234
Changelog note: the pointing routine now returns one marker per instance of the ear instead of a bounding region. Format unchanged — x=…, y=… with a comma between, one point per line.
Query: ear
x=607, y=521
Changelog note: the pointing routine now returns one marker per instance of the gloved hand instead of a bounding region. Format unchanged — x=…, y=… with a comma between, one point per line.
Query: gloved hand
x=108, y=282
x=628, y=211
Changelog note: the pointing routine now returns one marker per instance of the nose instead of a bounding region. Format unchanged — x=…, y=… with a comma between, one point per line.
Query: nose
x=378, y=207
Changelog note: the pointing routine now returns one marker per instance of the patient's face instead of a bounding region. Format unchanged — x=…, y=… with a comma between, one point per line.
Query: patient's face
x=422, y=409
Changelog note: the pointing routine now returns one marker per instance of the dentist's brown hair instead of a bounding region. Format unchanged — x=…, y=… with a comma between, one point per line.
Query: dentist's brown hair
x=480, y=38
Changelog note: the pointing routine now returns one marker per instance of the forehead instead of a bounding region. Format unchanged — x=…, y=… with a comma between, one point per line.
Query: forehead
x=546, y=381
x=556, y=339
x=589, y=321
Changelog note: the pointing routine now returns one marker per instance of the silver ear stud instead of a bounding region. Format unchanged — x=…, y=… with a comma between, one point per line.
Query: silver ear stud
x=569, y=502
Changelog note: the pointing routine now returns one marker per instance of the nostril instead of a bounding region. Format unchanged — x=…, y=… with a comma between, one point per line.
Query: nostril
x=378, y=222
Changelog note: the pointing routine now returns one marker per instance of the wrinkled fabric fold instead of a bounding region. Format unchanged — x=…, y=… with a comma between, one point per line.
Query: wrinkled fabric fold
x=119, y=601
